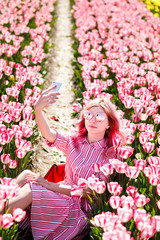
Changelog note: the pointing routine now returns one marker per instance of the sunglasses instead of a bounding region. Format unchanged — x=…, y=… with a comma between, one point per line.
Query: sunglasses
x=99, y=117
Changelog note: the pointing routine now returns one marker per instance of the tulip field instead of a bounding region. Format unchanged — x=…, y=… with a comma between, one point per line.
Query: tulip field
x=24, y=35
x=117, y=56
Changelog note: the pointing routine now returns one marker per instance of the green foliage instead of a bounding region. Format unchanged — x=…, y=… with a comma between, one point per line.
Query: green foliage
x=32, y=23
x=96, y=233
x=9, y=234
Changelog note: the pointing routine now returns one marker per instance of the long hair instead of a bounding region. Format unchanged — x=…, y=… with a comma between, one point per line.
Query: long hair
x=114, y=123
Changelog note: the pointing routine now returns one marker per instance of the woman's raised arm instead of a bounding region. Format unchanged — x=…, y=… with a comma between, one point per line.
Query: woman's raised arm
x=46, y=98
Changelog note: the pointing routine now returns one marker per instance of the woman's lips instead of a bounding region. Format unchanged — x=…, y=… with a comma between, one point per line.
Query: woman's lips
x=92, y=126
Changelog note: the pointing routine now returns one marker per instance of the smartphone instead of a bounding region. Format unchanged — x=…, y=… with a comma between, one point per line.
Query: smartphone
x=58, y=85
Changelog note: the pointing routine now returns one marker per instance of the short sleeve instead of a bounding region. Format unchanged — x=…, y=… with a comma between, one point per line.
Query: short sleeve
x=60, y=143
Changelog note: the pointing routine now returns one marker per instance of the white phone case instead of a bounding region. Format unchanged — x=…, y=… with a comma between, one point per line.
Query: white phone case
x=58, y=85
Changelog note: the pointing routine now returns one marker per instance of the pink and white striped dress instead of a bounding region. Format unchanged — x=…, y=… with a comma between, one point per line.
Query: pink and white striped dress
x=57, y=216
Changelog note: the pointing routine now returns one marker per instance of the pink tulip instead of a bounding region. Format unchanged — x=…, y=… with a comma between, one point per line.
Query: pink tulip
x=4, y=98
x=108, y=221
x=99, y=220
x=138, y=156
x=127, y=202
x=148, y=147
x=141, y=126
x=109, y=235
x=147, y=231
x=6, y=221
x=153, y=180
x=8, y=181
x=140, y=164
x=146, y=171
x=128, y=102
x=156, y=220
x=117, y=234
x=114, y=161
x=100, y=187
x=12, y=164
x=27, y=116
x=31, y=123
x=143, y=138
x=77, y=107
x=130, y=139
x=28, y=91
x=154, y=169
x=143, y=116
x=140, y=215
x=114, y=202
x=107, y=169
x=5, y=158
x=125, y=152
x=132, y=172
x=27, y=132
x=18, y=214
x=21, y=153
x=117, y=141
x=22, y=144
x=96, y=185
x=125, y=235
x=120, y=167
x=82, y=183
x=153, y=160
x=114, y=188
x=140, y=200
x=125, y=214
x=25, y=61
x=131, y=191
x=96, y=167
x=18, y=135
x=92, y=181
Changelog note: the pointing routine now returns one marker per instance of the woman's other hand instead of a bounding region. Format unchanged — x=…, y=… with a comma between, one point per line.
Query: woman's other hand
x=36, y=179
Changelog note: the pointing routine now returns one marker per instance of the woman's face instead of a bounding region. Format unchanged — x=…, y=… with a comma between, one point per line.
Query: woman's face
x=96, y=120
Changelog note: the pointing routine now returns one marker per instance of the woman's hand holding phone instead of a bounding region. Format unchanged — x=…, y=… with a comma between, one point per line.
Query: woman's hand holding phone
x=56, y=86
x=48, y=96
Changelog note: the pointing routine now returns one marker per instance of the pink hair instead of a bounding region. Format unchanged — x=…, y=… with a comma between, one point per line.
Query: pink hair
x=114, y=123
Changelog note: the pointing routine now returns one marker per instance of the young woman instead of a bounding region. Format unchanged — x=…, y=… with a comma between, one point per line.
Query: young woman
x=55, y=214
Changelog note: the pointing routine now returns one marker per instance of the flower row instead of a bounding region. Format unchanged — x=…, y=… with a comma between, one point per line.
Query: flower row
x=117, y=56
x=24, y=34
